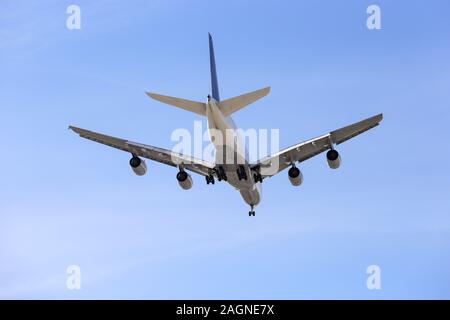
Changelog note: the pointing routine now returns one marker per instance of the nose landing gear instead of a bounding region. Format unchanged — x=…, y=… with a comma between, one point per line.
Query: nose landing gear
x=251, y=212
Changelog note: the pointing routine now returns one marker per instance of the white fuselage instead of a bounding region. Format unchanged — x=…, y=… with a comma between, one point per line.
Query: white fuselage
x=231, y=153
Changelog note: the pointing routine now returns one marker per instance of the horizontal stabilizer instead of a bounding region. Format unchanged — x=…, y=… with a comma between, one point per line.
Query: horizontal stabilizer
x=232, y=105
x=193, y=106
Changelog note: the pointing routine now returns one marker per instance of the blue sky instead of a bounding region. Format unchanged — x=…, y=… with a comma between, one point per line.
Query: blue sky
x=65, y=200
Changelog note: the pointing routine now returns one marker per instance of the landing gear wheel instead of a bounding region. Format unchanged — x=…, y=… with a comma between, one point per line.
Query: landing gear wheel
x=251, y=212
x=242, y=175
x=257, y=177
x=221, y=175
x=209, y=179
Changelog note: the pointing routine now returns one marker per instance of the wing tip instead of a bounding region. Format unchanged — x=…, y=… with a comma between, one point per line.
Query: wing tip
x=375, y=119
x=77, y=130
x=379, y=117
x=154, y=96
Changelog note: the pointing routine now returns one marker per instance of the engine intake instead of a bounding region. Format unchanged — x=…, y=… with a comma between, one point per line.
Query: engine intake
x=295, y=176
x=333, y=159
x=138, y=165
x=184, y=180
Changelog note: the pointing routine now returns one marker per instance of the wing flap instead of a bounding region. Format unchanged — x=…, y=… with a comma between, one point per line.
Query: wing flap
x=355, y=129
x=303, y=151
x=149, y=152
x=101, y=138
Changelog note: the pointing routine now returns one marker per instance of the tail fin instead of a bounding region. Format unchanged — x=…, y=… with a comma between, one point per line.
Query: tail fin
x=193, y=106
x=234, y=104
x=212, y=62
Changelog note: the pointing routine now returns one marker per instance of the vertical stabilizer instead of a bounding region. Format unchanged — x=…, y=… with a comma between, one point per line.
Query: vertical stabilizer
x=212, y=61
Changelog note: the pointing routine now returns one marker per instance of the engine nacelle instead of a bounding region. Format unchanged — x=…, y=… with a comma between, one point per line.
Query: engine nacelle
x=333, y=159
x=184, y=180
x=138, y=165
x=295, y=176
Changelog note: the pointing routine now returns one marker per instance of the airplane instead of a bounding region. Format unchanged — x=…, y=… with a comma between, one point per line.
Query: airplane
x=244, y=176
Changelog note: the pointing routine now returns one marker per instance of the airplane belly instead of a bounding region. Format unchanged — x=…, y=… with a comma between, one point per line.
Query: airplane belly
x=251, y=196
x=231, y=155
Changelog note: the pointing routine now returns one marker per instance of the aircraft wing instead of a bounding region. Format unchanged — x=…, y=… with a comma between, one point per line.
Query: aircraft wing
x=271, y=165
x=149, y=152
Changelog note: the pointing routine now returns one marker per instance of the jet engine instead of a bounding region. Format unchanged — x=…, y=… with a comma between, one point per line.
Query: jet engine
x=333, y=159
x=184, y=180
x=138, y=165
x=295, y=176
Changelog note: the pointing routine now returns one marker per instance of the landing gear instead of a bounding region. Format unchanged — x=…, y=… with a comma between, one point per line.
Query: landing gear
x=257, y=177
x=251, y=212
x=210, y=179
x=242, y=175
x=221, y=175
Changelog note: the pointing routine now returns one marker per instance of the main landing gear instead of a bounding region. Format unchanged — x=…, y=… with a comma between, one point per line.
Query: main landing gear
x=221, y=175
x=251, y=212
x=257, y=177
x=242, y=175
x=210, y=179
